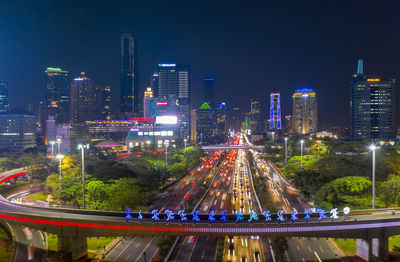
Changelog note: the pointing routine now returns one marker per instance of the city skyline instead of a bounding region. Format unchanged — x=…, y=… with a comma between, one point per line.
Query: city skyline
x=313, y=56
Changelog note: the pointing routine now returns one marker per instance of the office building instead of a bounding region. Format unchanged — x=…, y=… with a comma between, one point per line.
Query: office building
x=154, y=83
x=193, y=127
x=17, y=129
x=57, y=96
x=3, y=97
x=275, y=122
x=129, y=103
x=255, y=122
x=82, y=99
x=174, y=82
x=210, y=91
x=148, y=94
x=205, y=123
x=162, y=107
x=236, y=119
x=305, y=114
x=372, y=107
x=220, y=115
x=116, y=130
x=102, y=98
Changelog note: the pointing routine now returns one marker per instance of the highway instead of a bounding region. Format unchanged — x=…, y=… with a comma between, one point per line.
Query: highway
x=284, y=198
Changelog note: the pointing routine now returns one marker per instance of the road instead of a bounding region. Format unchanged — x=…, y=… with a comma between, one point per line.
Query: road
x=177, y=196
x=281, y=193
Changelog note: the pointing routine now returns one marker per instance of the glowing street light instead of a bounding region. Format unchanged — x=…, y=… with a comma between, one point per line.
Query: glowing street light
x=58, y=143
x=59, y=156
x=373, y=148
x=286, y=151
x=166, y=143
x=52, y=147
x=82, y=148
x=301, y=157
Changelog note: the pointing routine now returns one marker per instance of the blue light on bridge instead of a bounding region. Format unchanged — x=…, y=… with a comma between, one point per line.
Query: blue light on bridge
x=280, y=216
x=140, y=216
x=182, y=214
x=169, y=215
x=253, y=216
x=239, y=216
x=223, y=215
x=195, y=216
x=322, y=214
x=293, y=215
x=267, y=215
x=211, y=216
x=155, y=214
x=307, y=214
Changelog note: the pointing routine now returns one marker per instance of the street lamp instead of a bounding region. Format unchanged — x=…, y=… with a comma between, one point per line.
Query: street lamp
x=185, y=140
x=301, y=157
x=166, y=143
x=59, y=156
x=286, y=151
x=373, y=148
x=273, y=137
x=52, y=147
x=82, y=148
x=59, y=143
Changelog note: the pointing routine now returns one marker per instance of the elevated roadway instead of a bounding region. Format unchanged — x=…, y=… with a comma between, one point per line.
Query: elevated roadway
x=8, y=175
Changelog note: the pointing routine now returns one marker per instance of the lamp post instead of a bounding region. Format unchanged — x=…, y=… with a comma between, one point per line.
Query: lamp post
x=286, y=151
x=52, y=147
x=166, y=143
x=301, y=156
x=82, y=148
x=59, y=143
x=185, y=140
x=273, y=137
x=59, y=156
x=373, y=148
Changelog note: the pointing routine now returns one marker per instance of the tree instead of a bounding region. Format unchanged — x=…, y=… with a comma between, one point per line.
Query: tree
x=70, y=191
x=125, y=193
x=98, y=194
x=388, y=191
x=159, y=170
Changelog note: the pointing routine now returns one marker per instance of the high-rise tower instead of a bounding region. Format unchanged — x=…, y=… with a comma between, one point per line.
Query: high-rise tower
x=304, y=117
x=129, y=92
x=82, y=99
x=275, y=122
x=57, y=97
x=3, y=97
x=372, y=107
x=209, y=91
x=174, y=82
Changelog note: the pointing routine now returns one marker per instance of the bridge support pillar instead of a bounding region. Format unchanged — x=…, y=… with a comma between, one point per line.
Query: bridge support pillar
x=71, y=248
x=378, y=247
x=383, y=248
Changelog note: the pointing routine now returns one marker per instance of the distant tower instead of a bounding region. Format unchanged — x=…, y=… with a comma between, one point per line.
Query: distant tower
x=360, y=67
x=57, y=94
x=3, y=97
x=129, y=93
x=82, y=99
x=209, y=91
x=148, y=94
x=275, y=122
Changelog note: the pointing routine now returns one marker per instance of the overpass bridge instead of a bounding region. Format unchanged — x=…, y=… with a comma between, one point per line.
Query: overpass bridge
x=8, y=175
x=73, y=226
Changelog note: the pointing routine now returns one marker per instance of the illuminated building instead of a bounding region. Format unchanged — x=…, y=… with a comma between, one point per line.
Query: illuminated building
x=109, y=129
x=3, y=97
x=17, y=130
x=254, y=119
x=129, y=91
x=193, y=127
x=82, y=99
x=288, y=126
x=161, y=107
x=235, y=119
x=372, y=107
x=209, y=91
x=102, y=102
x=174, y=82
x=148, y=94
x=275, y=122
x=57, y=97
x=304, y=116
x=205, y=123
x=154, y=83
x=220, y=114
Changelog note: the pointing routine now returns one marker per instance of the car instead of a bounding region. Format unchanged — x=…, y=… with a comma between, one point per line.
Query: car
x=256, y=256
x=231, y=250
x=243, y=259
x=230, y=239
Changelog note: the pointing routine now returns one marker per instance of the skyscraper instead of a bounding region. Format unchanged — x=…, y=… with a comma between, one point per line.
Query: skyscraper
x=372, y=107
x=102, y=98
x=154, y=83
x=174, y=82
x=209, y=91
x=220, y=114
x=205, y=123
x=304, y=117
x=57, y=97
x=129, y=92
x=275, y=122
x=255, y=121
x=82, y=100
x=3, y=97
x=148, y=94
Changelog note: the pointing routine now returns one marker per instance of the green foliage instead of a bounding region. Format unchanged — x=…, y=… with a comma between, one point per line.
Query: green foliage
x=388, y=191
x=98, y=194
x=353, y=191
x=125, y=193
x=177, y=169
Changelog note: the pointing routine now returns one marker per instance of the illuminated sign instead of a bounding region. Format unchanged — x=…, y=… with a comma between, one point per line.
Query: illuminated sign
x=142, y=119
x=169, y=120
x=373, y=80
x=305, y=95
x=162, y=103
x=166, y=65
x=212, y=216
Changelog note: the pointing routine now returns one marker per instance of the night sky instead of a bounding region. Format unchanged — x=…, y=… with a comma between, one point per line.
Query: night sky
x=251, y=47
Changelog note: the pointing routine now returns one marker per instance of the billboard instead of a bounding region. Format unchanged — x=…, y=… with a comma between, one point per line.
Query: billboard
x=168, y=120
